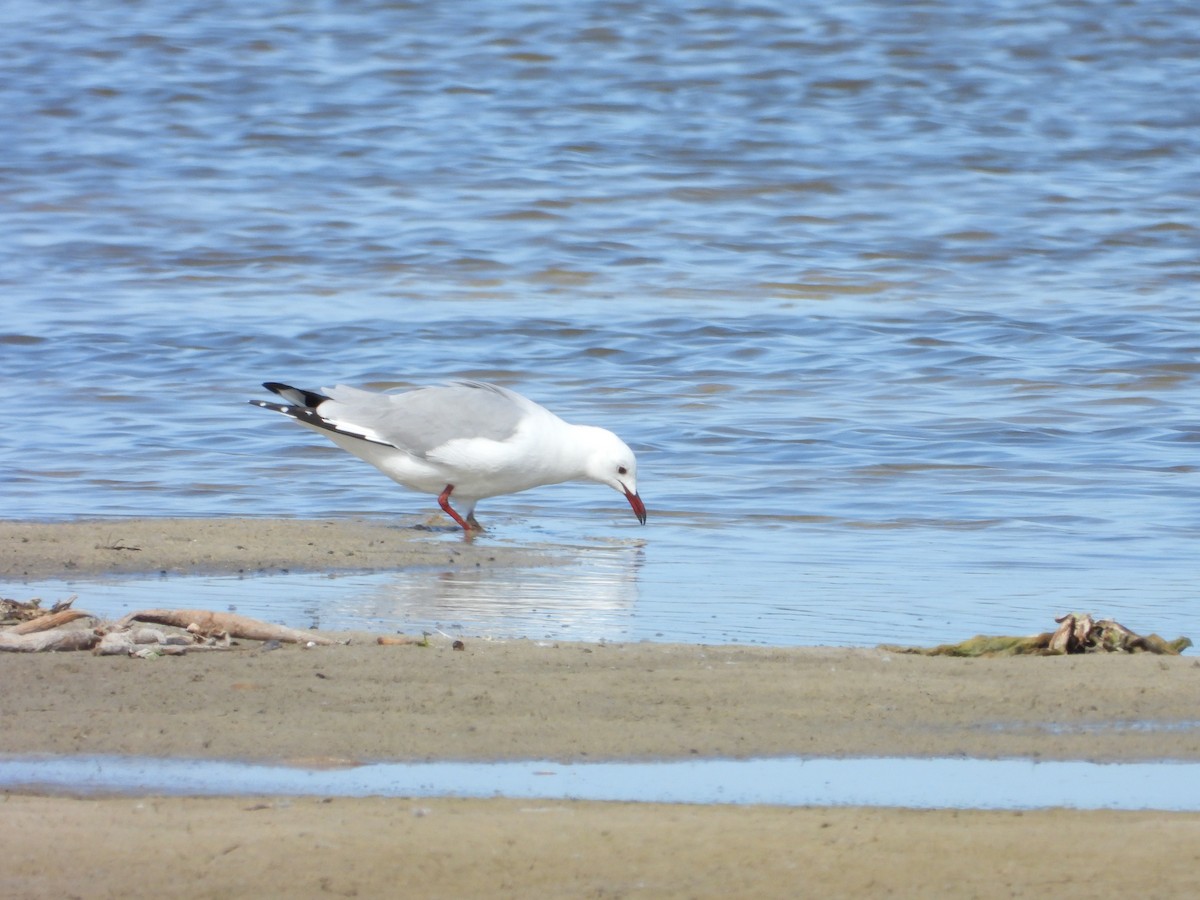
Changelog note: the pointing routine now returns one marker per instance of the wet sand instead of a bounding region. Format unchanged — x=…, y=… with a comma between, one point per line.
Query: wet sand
x=202, y=546
x=527, y=699
x=272, y=847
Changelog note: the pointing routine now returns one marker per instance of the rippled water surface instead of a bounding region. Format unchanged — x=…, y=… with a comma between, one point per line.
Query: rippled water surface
x=896, y=303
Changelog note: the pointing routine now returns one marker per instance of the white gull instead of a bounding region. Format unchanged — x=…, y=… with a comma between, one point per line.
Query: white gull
x=469, y=439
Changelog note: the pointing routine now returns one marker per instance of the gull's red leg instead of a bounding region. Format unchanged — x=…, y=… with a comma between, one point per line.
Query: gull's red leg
x=444, y=503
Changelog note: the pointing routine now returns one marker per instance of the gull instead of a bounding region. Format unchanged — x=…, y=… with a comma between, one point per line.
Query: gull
x=467, y=438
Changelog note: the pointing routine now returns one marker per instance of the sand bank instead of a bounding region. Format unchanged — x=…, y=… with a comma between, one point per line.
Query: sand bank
x=528, y=699
x=30, y=550
x=272, y=847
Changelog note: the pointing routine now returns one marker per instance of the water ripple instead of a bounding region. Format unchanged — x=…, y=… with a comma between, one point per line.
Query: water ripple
x=926, y=272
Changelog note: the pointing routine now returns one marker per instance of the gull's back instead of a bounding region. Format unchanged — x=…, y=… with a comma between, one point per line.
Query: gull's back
x=421, y=420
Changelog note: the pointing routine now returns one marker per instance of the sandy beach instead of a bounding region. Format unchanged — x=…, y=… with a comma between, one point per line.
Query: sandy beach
x=362, y=702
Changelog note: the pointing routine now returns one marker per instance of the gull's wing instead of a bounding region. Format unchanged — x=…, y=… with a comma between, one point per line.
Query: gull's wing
x=417, y=421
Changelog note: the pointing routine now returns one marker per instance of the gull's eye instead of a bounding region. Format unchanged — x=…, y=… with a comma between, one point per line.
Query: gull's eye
x=621, y=470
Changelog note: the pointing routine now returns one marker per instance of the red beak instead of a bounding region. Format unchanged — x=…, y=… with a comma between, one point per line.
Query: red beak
x=639, y=508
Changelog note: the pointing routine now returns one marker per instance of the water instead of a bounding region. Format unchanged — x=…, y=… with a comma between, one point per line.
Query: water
x=902, y=782
x=896, y=304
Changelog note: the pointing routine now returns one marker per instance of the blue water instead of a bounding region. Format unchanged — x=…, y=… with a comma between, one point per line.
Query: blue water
x=895, y=303
x=903, y=782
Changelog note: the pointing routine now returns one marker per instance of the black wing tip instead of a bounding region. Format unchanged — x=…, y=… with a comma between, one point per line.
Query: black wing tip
x=295, y=411
x=294, y=395
x=308, y=416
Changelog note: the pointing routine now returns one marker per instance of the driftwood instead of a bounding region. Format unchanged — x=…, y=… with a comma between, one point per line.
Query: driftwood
x=65, y=639
x=49, y=621
x=169, y=650
x=24, y=612
x=154, y=636
x=28, y=609
x=150, y=643
x=38, y=629
x=216, y=624
x=1076, y=633
x=1080, y=633
x=115, y=643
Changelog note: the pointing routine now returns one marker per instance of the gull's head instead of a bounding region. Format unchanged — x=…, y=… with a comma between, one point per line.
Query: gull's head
x=611, y=462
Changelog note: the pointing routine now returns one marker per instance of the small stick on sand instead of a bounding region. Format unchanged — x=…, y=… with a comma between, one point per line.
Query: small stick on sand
x=387, y=639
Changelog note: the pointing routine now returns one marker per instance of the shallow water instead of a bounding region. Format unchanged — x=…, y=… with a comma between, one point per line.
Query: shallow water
x=613, y=591
x=898, y=782
x=895, y=304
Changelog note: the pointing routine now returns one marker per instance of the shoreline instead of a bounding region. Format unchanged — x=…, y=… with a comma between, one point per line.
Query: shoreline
x=137, y=546
x=527, y=699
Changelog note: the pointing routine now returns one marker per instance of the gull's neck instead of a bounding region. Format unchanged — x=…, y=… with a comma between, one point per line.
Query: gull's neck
x=571, y=449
